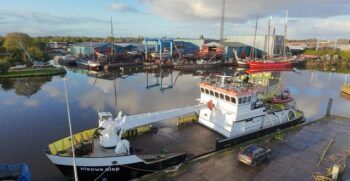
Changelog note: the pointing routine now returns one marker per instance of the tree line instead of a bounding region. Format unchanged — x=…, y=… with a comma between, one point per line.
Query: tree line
x=11, y=52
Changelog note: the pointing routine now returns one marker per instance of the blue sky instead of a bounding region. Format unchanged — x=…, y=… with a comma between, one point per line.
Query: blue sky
x=174, y=18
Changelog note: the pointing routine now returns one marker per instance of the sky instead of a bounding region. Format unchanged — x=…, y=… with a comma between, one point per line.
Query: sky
x=324, y=19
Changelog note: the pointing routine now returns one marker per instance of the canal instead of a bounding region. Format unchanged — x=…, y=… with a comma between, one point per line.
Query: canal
x=33, y=110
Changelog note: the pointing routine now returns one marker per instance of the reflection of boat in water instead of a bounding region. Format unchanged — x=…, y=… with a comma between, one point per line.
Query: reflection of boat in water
x=19, y=172
x=88, y=63
x=199, y=64
x=346, y=96
x=257, y=70
x=346, y=89
x=283, y=98
x=233, y=113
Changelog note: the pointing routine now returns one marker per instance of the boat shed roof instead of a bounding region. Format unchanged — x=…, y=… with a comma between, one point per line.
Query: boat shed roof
x=91, y=44
x=212, y=44
x=235, y=44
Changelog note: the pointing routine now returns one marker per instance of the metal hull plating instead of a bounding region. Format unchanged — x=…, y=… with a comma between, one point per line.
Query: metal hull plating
x=225, y=143
x=119, y=172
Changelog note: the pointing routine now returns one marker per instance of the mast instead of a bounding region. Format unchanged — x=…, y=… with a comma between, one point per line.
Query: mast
x=252, y=53
x=71, y=133
x=268, y=38
x=222, y=23
x=112, y=38
x=273, y=41
x=285, y=34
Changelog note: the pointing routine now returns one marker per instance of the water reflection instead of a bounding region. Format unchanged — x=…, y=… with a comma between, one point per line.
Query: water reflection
x=38, y=103
x=24, y=86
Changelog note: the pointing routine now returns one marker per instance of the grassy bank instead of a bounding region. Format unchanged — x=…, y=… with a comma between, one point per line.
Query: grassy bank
x=33, y=72
x=344, y=55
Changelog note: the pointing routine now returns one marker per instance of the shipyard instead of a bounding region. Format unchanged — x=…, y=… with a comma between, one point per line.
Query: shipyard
x=203, y=90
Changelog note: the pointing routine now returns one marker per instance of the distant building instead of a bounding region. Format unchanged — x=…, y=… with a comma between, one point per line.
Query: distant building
x=88, y=48
x=296, y=47
x=271, y=45
x=57, y=45
x=242, y=50
x=343, y=44
x=194, y=42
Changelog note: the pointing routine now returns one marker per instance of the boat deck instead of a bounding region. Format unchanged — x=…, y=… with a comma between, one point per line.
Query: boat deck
x=191, y=138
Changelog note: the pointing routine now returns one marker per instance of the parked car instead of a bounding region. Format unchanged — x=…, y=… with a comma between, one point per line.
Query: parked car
x=253, y=155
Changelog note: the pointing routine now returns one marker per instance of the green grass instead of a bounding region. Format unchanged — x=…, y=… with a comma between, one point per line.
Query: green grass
x=344, y=55
x=33, y=72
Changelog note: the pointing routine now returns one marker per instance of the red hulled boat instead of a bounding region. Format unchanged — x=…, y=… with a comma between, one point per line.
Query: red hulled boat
x=269, y=65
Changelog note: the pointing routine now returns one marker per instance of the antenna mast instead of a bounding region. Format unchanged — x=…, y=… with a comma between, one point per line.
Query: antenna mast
x=222, y=23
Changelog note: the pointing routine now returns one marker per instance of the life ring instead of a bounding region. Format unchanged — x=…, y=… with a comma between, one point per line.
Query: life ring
x=210, y=105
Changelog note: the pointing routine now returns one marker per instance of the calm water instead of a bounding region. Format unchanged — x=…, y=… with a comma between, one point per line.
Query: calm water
x=33, y=110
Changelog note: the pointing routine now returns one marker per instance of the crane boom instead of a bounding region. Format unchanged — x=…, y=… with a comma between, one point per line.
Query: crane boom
x=129, y=122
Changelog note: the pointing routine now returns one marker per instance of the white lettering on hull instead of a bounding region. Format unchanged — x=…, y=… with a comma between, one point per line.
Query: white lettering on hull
x=94, y=169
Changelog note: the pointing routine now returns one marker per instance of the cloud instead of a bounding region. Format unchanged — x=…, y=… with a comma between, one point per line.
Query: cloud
x=39, y=24
x=106, y=86
x=9, y=102
x=31, y=103
x=43, y=18
x=242, y=10
x=120, y=7
x=52, y=91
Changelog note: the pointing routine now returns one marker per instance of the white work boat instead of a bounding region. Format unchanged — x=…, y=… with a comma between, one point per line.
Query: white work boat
x=228, y=114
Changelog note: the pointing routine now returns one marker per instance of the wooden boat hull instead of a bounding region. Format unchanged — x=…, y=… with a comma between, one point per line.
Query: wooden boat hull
x=267, y=65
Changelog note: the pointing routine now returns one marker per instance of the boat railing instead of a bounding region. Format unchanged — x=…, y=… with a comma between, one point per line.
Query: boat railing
x=61, y=146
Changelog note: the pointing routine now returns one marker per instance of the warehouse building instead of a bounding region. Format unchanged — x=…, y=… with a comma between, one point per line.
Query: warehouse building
x=271, y=45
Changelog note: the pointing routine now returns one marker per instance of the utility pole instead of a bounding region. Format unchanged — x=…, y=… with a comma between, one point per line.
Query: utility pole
x=285, y=34
x=112, y=38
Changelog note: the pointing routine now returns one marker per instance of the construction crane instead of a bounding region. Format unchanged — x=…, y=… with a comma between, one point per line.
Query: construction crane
x=25, y=52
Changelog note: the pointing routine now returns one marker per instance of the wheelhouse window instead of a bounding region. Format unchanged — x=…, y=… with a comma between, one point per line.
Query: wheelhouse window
x=240, y=100
x=206, y=91
x=249, y=99
x=211, y=93
x=227, y=98
x=216, y=95
x=233, y=100
x=244, y=100
x=222, y=96
x=202, y=90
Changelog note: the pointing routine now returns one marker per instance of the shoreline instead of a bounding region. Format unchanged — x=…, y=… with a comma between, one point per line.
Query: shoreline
x=33, y=72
